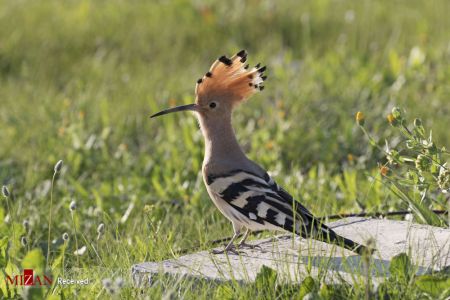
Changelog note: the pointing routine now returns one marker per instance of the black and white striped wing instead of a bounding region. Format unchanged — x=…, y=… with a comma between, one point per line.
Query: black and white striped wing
x=261, y=200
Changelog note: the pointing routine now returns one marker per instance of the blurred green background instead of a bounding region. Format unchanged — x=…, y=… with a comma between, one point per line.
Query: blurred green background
x=79, y=79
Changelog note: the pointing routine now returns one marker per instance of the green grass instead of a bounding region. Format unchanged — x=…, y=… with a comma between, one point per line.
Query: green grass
x=79, y=79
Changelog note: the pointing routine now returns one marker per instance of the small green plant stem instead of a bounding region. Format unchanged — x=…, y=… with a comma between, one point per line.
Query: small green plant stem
x=50, y=219
x=72, y=213
x=406, y=131
x=11, y=217
x=371, y=140
x=366, y=262
x=63, y=257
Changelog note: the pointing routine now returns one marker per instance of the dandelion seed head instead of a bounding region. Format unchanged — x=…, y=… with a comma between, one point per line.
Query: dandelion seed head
x=26, y=224
x=80, y=251
x=58, y=166
x=349, y=16
x=107, y=282
x=111, y=290
x=101, y=228
x=5, y=191
x=73, y=205
x=120, y=282
x=416, y=57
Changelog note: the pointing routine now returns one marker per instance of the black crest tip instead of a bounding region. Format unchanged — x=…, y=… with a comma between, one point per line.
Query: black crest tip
x=242, y=53
x=225, y=60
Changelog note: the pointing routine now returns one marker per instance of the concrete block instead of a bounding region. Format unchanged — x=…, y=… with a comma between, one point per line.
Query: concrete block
x=294, y=258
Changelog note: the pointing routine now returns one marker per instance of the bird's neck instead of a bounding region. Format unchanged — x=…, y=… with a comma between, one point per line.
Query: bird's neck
x=221, y=145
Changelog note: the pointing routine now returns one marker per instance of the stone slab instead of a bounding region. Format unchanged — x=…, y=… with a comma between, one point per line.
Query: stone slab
x=294, y=257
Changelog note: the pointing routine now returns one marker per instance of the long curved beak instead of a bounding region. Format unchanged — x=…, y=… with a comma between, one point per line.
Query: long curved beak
x=192, y=107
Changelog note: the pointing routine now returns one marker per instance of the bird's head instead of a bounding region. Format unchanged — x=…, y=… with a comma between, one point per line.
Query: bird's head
x=228, y=82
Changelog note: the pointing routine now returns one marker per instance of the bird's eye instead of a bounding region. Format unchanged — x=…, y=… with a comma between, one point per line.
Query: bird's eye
x=212, y=105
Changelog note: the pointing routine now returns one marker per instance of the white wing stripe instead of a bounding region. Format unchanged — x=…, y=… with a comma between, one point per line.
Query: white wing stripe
x=262, y=209
x=280, y=218
x=241, y=201
x=288, y=206
x=222, y=183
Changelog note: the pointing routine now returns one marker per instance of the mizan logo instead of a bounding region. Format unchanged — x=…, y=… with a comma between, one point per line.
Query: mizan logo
x=28, y=278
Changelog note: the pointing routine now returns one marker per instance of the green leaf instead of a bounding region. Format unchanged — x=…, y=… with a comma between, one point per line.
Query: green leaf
x=3, y=251
x=334, y=291
x=10, y=269
x=383, y=290
x=394, y=63
x=426, y=215
x=3, y=261
x=419, y=131
x=33, y=293
x=400, y=267
x=225, y=292
x=4, y=243
x=307, y=286
x=34, y=260
x=436, y=286
x=57, y=262
x=266, y=275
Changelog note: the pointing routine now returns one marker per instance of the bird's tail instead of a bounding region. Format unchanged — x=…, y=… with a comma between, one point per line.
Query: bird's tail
x=334, y=238
x=325, y=234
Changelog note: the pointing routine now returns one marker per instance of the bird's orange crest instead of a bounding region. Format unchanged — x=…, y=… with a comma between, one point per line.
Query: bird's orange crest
x=230, y=78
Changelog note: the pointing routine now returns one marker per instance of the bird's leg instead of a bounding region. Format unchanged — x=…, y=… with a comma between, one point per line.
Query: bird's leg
x=230, y=247
x=243, y=244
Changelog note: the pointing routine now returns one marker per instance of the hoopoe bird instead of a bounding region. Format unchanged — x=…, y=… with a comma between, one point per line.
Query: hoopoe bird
x=241, y=189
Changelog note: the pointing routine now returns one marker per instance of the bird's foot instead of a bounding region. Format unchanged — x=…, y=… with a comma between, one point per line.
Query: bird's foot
x=249, y=246
x=228, y=250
